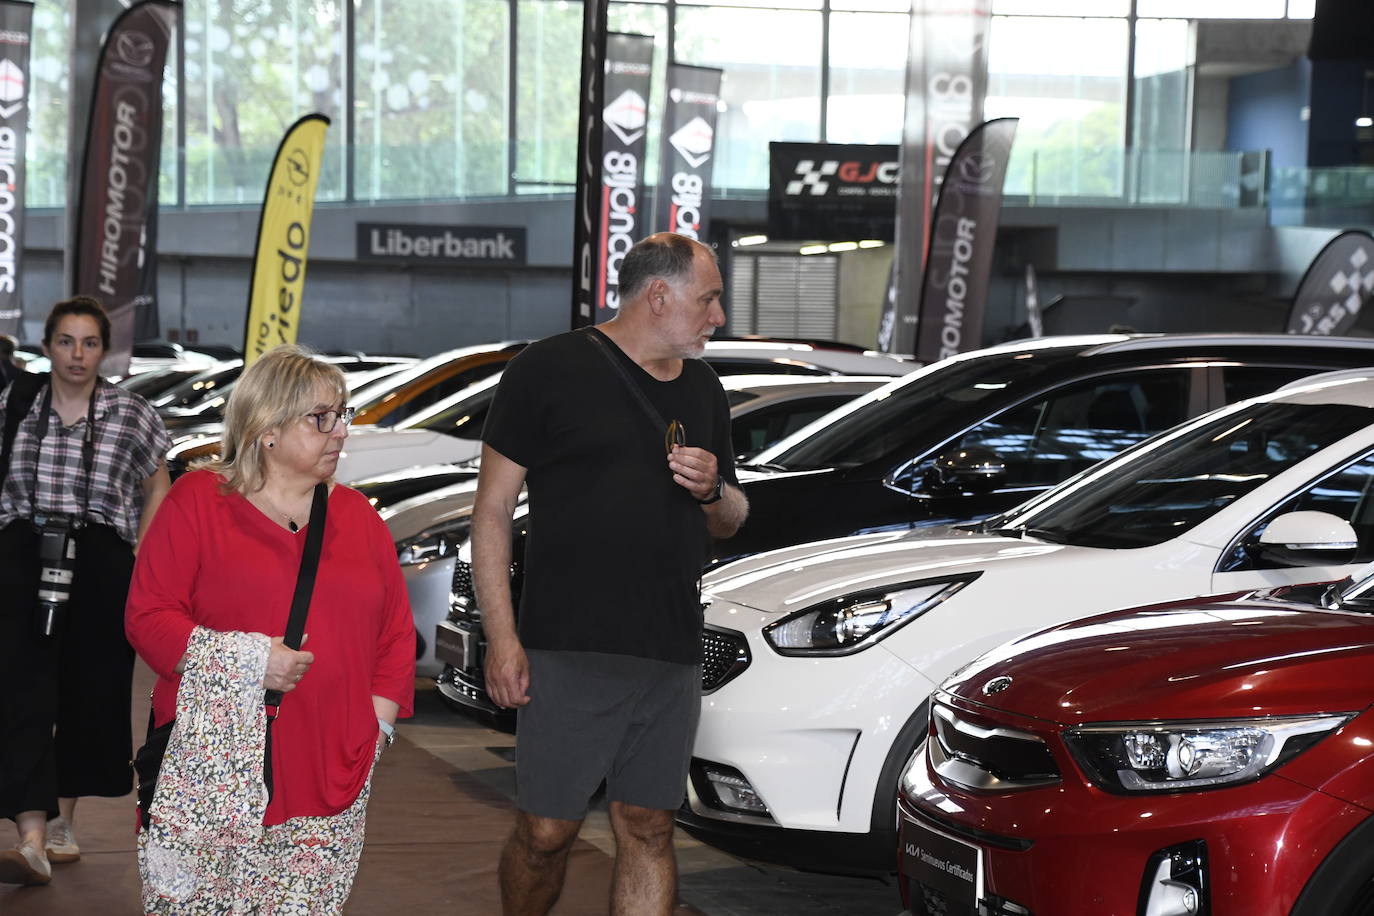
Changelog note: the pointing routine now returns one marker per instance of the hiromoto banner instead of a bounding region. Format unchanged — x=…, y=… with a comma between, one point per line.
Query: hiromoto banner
x=16, y=23
x=274, y=298
x=689, y=142
x=624, y=136
x=1337, y=285
x=114, y=255
x=946, y=81
x=587, y=223
x=963, y=233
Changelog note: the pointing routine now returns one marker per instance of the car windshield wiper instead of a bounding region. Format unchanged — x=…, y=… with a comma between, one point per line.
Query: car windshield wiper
x=765, y=466
x=1015, y=531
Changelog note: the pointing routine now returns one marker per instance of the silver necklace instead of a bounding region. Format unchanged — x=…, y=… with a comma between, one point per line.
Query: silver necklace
x=290, y=519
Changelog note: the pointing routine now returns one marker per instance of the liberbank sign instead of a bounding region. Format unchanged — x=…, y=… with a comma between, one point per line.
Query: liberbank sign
x=417, y=243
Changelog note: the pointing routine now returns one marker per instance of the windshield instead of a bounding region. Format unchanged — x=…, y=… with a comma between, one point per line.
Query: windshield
x=1166, y=485
x=198, y=387
x=461, y=415
x=885, y=420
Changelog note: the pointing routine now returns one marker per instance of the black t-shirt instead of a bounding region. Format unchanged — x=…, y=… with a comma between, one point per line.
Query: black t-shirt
x=615, y=547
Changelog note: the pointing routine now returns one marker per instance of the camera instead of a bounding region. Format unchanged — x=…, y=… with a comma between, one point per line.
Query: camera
x=56, y=561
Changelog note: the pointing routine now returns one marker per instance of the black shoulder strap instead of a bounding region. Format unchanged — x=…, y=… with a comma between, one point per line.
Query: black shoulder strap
x=660, y=424
x=23, y=391
x=305, y=580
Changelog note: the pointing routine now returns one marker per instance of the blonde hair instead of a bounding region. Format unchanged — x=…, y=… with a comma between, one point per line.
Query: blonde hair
x=280, y=387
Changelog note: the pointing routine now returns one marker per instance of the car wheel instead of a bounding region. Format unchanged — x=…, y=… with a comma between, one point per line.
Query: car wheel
x=1343, y=885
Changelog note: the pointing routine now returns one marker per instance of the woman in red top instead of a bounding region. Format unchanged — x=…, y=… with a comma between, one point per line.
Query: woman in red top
x=213, y=582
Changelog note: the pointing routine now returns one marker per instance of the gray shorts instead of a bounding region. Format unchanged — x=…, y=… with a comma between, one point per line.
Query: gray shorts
x=594, y=716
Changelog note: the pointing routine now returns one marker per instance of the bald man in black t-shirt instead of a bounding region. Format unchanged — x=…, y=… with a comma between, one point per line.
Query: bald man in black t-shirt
x=622, y=436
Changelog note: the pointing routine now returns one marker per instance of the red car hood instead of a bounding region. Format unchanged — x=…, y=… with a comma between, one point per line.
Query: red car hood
x=1198, y=661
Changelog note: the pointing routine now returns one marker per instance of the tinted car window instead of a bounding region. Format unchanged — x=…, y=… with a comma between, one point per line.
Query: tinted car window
x=726, y=365
x=463, y=419
x=1161, y=490
x=1347, y=493
x=439, y=391
x=1052, y=439
x=762, y=427
x=878, y=425
x=198, y=387
x=1241, y=382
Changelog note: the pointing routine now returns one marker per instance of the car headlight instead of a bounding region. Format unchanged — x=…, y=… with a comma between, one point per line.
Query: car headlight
x=434, y=544
x=1172, y=756
x=856, y=621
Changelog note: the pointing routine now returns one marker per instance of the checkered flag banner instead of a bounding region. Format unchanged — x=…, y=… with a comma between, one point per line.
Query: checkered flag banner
x=811, y=178
x=1336, y=287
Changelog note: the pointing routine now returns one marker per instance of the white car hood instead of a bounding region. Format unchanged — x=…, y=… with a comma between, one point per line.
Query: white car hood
x=411, y=516
x=788, y=580
x=369, y=451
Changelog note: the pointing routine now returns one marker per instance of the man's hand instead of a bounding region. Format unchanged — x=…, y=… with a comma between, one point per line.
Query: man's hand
x=694, y=469
x=286, y=666
x=507, y=673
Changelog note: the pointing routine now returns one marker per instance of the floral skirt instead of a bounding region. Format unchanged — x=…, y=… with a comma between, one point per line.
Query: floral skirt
x=303, y=867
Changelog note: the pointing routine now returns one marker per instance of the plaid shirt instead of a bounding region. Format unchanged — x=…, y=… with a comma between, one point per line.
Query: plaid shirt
x=130, y=440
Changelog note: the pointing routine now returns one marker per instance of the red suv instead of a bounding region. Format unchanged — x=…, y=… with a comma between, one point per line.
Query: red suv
x=1205, y=758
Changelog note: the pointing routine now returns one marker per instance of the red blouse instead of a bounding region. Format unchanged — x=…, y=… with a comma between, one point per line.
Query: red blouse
x=212, y=559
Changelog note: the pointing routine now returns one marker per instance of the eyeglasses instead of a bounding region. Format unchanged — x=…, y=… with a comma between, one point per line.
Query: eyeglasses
x=326, y=420
x=675, y=434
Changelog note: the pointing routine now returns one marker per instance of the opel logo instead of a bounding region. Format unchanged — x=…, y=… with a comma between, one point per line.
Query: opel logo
x=996, y=685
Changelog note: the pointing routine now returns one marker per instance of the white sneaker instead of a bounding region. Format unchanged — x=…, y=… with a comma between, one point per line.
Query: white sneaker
x=61, y=842
x=25, y=864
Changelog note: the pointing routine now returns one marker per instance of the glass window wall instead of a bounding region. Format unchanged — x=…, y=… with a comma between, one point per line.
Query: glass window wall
x=45, y=159
x=433, y=82
x=548, y=58
x=867, y=76
x=252, y=68
x=436, y=115
x=763, y=97
x=1071, y=104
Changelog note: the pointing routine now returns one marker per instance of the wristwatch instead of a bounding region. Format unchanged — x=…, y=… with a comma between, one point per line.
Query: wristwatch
x=716, y=494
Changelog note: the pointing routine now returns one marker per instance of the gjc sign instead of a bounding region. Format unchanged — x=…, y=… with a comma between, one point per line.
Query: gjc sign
x=832, y=191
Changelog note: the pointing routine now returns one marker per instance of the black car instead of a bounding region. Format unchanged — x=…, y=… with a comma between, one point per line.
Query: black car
x=971, y=436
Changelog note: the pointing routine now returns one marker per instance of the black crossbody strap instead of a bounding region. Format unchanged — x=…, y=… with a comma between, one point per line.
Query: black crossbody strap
x=660, y=424
x=300, y=606
x=305, y=580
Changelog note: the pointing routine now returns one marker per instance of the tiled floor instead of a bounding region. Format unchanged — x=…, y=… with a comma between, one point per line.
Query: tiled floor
x=713, y=882
x=440, y=810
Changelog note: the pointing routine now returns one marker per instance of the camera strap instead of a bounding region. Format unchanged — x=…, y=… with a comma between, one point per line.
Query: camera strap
x=87, y=449
x=300, y=606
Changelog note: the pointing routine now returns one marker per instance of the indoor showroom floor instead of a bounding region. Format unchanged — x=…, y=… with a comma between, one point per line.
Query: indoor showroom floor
x=440, y=809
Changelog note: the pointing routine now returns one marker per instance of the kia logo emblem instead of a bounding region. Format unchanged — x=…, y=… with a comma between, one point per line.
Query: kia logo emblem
x=996, y=685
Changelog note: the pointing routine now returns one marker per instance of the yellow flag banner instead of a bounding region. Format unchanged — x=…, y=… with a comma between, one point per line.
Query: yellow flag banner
x=274, y=299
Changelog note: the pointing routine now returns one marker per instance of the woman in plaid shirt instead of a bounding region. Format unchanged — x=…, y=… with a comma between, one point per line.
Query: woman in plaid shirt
x=87, y=455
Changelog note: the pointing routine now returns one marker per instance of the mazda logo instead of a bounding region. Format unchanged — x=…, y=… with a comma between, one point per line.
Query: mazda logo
x=135, y=48
x=978, y=168
x=996, y=685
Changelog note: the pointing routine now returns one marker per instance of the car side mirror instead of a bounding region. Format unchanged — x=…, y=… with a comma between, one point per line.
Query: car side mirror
x=965, y=472
x=1306, y=539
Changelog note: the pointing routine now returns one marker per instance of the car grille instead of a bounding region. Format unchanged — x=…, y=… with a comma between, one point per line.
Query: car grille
x=724, y=654
x=462, y=580
x=929, y=901
x=989, y=757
